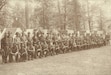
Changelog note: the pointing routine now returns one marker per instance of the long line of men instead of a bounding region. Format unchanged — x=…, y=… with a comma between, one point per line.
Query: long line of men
x=25, y=47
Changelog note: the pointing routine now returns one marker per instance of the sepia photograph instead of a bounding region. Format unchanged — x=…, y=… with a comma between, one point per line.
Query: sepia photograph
x=55, y=37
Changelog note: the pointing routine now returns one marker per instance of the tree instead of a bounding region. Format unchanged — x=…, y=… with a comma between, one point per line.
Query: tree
x=72, y=14
x=2, y=3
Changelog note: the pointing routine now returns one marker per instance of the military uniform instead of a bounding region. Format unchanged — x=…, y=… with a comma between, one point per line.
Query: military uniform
x=6, y=45
x=17, y=40
x=31, y=51
x=14, y=53
x=107, y=39
x=23, y=52
x=5, y=51
x=24, y=39
x=29, y=40
x=38, y=50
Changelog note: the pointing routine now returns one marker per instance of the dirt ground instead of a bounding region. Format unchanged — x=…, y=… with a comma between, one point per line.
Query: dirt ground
x=87, y=62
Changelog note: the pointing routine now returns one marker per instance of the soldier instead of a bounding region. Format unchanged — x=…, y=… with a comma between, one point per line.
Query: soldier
x=107, y=38
x=31, y=51
x=57, y=48
x=78, y=42
x=42, y=38
x=48, y=38
x=6, y=45
x=45, y=48
x=38, y=50
x=35, y=38
x=17, y=40
x=23, y=52
x=93, y=40
x=24, y=39
x=5, y=48
x=14, y=53
x=51, y=48
x=82, y=42
x=73, y=40
x=29, y=39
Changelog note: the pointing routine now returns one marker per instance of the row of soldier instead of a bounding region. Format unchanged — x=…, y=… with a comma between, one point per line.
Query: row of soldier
x=26, y=47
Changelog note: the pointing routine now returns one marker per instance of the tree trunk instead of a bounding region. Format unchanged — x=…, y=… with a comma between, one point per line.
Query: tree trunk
x=26, y=14
x=89, y=21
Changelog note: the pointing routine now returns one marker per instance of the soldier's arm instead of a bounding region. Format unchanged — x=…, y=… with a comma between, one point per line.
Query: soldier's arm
x=25, y=51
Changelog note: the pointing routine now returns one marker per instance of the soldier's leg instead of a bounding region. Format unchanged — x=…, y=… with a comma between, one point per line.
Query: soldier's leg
x=39, y=54
x=51, y=52
x=17, y=58
x=23, y=57
x=10, y=57
x=57, y=51
x=45, y=53
x=32, y=55
x=73, y=49
x=35, y=54
x=3, y=58
x=28, y=55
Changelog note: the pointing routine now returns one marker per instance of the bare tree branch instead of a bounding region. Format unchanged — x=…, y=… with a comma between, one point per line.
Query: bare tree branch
x=2, y=3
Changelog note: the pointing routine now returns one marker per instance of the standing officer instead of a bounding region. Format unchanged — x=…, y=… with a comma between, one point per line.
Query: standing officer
x=24, y=39
x=6, y=45
x=17, y=40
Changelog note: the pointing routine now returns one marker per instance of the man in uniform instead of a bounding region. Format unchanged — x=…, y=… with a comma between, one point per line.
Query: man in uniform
x=23, y=52
x=29, y=39
x=31, y=51
x=14, y=53
x=6, y=45
x=17, y=40
x=38, y=49
x=107, y=39
x=24, y=39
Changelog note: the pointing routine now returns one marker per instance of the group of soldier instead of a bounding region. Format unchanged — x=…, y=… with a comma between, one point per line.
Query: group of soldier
x=25, y=47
